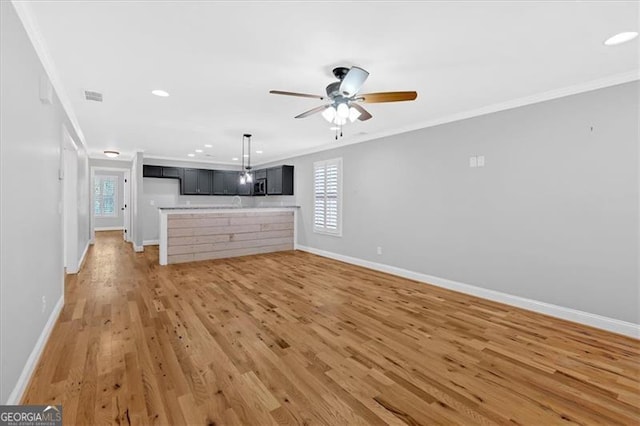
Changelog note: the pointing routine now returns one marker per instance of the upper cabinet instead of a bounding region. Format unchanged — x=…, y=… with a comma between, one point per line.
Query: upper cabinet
x=280, y=180
x=196, y=182
x=172, y=172
x=162, y=172
x=151, y=171
x=225, y=182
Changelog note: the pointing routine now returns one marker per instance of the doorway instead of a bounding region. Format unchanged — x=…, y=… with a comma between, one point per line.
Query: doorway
x=111, y=200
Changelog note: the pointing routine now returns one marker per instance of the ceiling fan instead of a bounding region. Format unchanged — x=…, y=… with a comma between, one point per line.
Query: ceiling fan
x=344, y=100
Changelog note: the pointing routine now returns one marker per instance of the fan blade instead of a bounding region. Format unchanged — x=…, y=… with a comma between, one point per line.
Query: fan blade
x=364, y=114
x=312, y=111
x=353, y=81
x=301, y=95
x=388, y=97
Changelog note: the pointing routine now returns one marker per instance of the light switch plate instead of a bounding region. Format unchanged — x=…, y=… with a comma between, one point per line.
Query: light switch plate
x=473, y=162
x=480, y=160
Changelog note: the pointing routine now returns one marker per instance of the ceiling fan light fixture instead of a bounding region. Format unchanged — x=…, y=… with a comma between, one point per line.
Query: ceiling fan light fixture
x=111, y=154
x=353, y=114
x=329, y=113
x=342, y=110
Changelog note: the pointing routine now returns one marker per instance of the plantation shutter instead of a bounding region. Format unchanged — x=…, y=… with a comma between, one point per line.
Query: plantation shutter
x=327, y=196
x=105, y=196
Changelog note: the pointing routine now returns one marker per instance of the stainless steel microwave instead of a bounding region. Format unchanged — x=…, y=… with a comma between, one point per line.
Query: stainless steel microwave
x=260, y=187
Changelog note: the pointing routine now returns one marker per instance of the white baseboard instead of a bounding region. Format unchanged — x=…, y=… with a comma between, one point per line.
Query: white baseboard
x=151, y=243
x=109, y=228
x=137, y=249
x=16, y=395
x=76, y=268
x=84, y=255
x=574, y=315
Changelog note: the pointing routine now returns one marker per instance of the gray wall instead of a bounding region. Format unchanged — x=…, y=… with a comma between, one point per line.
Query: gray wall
x=31, y=259
x=117, y=221
x=552, y=217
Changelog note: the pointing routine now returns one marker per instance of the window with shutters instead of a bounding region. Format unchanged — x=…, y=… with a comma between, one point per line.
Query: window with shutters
x=105, y=196
x=327, y=205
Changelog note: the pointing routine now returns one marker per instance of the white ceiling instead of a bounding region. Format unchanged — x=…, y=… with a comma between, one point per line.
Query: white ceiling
x=218, y=60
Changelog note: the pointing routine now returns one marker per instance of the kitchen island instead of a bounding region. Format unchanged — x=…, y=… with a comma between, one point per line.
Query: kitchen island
x=190, y=234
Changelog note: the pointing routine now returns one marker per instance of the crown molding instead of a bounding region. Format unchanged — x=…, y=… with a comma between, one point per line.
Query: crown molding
x=23, y=9
x=575, y=89
x=194, y=160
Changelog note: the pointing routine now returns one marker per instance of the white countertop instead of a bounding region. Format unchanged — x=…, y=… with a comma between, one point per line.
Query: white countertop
x=221, y=208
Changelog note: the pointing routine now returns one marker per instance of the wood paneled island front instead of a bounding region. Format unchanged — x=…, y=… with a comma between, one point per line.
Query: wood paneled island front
x=192, y=234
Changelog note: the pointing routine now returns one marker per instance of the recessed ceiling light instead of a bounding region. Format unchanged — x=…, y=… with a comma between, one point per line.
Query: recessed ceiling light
x=621, y=38
x=198, y=150
x=160, y=93
x=235, y=158
x=208, y=146
x=258, y=152
x=191, y=155
x=111, y=154
x=246, y=155
x=334, y=128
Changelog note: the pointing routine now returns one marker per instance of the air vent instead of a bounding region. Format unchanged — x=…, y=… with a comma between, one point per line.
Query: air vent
x=93, y=96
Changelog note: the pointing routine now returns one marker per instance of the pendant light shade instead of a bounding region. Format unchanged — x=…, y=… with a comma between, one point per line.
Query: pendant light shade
x=329, y=113
x=343, y=110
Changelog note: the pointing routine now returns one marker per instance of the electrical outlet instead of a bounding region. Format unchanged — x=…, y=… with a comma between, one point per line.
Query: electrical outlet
x=473, y=162
x=44, y=304
x=480, y=160
x=379, y=250
x=152, y=202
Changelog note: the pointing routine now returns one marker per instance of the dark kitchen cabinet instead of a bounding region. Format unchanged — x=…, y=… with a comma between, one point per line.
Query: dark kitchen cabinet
x=225, y=182
x=196, y=182
x=172, y=172
x=161, y=172
x=204, y=182
x=280, y=180
x=190, y=182
x=260, y=174
x=151, y=171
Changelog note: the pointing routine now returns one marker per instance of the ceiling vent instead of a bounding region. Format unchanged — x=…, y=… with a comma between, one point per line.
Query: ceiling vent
x=93, y=96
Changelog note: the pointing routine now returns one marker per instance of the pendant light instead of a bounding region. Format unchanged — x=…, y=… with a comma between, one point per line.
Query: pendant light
x=245, y=175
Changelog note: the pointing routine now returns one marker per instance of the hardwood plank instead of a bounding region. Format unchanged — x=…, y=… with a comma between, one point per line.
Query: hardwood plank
x=293, y=338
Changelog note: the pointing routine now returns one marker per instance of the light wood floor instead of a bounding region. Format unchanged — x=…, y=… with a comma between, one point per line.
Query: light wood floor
x=292, y=338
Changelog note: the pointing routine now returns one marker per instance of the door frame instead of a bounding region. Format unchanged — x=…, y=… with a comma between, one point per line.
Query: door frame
x=126, y=201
